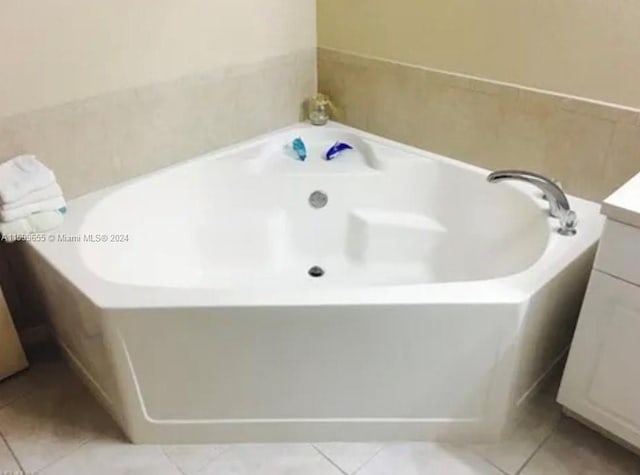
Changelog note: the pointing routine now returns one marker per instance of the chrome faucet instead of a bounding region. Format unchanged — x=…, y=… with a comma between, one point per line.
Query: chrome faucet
x=558, y=203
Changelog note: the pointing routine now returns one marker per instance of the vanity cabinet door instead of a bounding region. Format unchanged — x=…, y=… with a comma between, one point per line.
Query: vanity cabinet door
x=601, y=381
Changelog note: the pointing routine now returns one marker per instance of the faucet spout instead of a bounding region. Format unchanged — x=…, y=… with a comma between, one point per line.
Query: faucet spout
x=558, y=203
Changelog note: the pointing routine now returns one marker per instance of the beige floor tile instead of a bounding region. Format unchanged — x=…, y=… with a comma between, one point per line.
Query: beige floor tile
x=53, y=421
x=349, y=456
x=270, y=459
x=46, y=369
x=113, y=458
x=575, y=449
x=191, y=458
x=61, y=429
x=50, y=375
x=15, y=386
x=425, y=458
x=538, y=422
x=8, y=463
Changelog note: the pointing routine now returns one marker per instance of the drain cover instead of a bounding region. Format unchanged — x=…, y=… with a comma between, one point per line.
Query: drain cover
x=316, y=271
x=318, y=199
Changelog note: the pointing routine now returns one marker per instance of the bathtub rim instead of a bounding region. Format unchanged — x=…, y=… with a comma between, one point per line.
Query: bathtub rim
x=515, y=288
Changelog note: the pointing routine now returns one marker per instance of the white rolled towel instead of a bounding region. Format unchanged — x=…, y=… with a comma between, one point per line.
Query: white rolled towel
x=46, y=193
x=45, y=221
x=24, y=211
x=22, y=175
x=34, y=223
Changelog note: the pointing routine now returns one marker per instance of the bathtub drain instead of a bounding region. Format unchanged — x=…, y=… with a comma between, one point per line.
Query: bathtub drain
x=316, y=271
x=318, y=199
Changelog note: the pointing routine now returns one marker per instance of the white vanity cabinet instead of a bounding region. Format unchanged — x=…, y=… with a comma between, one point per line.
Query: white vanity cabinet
x=601, y=382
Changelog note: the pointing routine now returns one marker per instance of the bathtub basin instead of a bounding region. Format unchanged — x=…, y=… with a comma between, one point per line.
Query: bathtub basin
x=186, y=301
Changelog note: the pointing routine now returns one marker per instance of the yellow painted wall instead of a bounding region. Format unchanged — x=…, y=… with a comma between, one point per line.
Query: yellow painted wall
x=56, y=51
x=588, y=48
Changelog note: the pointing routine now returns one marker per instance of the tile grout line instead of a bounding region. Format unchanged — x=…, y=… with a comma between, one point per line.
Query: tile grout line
x=23, y=394
x=506, y=84
x=322, y=454
x=471, y=449
x=366, y=462
x=90, y=439
x=499, y=469
x=223, y=451
x=175, y=465
x=8, y=404
x=533, y=454
x=10, y=449
x=216, y=73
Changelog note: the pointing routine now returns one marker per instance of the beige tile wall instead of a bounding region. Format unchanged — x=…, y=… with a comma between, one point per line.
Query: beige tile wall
x=590, y=147
x=103, y=140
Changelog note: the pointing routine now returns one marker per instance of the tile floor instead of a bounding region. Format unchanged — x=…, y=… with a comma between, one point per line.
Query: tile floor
x=50, y=424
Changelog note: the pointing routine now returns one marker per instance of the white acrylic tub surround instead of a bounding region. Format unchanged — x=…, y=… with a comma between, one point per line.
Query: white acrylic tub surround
x=444, y=299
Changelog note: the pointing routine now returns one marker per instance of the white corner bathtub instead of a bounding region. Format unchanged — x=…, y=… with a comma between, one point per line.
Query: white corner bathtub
x=183, y=297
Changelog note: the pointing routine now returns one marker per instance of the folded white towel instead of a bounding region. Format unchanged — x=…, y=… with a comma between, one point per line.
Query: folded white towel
x=22, y=175
x=45, y=221
x=34, y=223
x=46, y=193
x=15, y=229
x=24, y=211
